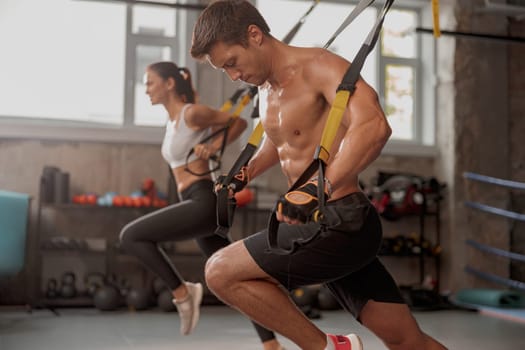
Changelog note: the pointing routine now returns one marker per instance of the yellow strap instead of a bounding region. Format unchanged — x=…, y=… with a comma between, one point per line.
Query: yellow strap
x=332, y=124
x=435, y=18
x=256, y=136
x=244, y=101
x=226, y=106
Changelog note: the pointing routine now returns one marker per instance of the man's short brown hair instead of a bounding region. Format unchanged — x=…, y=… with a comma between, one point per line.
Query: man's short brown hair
x=225, y=21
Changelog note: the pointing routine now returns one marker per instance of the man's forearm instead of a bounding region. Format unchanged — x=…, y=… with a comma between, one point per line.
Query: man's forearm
x=265, y=158
x=360, y=148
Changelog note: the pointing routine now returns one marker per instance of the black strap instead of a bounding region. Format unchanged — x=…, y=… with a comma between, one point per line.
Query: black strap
x=226, y=204
x=319, y=162
x=214, y=158
x=217, y=157
x=291, y=34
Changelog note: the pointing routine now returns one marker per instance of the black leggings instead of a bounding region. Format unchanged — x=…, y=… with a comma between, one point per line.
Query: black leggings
x=193, y=218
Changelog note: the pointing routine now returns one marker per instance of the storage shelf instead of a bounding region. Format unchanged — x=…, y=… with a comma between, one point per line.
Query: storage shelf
x=409, y=255
x=80, y=301
x=73, y=251
x=428, y=215
x=76, y=230
x=73, y=206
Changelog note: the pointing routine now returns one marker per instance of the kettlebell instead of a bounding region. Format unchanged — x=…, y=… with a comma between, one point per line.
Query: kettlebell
x=51, y=289
x=93, y=281
x=67, y=287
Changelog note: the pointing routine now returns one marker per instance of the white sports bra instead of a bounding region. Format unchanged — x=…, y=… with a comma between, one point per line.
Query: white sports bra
x=179, y=139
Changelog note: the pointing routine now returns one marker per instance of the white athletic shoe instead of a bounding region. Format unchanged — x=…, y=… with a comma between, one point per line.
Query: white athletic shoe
x=346, y=342
x=189, y=308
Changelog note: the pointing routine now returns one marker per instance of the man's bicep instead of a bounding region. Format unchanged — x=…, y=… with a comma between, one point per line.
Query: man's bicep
x=363, y=105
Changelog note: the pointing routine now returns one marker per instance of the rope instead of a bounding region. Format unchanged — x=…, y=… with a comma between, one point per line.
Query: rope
x=494, y=180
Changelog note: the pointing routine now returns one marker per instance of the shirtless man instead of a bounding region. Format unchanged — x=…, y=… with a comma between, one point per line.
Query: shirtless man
x=297, y=87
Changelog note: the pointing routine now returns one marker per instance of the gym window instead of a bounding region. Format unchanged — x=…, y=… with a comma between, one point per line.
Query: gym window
x=63, y=60
x=394, y=68
x=73, y=69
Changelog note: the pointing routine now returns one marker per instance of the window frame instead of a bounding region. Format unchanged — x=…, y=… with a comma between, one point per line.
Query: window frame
x=128, y=132
x=423, y=143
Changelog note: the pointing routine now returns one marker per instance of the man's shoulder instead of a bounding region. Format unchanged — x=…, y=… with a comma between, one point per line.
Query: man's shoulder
x=317, y=56
x=321, y=62
x=312, y=53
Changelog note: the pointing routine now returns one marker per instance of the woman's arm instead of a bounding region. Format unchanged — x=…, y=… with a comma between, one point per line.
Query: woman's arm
x=236, y=129
x=201, y=117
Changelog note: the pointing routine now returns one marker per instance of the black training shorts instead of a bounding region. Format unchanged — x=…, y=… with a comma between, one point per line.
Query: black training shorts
x=343, y=256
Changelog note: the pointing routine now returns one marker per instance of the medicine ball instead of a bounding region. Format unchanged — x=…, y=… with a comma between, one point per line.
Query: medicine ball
x=243, y=197
x=304, y=296
x=326, y=300
x=158, y=286
x=106, y=298
x=138, y=299
x=165, y=301
x=311, y=312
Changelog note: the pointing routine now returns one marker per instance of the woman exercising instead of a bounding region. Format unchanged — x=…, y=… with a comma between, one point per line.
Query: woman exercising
x=195, y=215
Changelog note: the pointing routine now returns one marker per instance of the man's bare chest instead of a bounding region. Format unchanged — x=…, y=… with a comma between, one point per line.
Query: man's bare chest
x=292, y=113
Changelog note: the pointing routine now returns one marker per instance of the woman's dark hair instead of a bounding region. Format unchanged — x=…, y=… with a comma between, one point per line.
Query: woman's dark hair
x=181, y=75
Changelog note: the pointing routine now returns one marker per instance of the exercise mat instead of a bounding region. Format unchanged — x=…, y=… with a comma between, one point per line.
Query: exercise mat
x=491, y=297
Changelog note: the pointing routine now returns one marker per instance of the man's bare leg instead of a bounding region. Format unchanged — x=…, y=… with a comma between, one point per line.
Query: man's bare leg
x=396, y=327
x=272, y=345
x=235, y=278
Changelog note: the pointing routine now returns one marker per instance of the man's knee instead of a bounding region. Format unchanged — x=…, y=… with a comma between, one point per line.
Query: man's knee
x=217, y=272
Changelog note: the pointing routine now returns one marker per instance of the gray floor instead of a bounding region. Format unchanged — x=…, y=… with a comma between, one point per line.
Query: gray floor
x=222, y=328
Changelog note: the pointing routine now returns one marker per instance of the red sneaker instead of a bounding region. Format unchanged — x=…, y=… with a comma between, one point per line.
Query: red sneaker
x=346, y=342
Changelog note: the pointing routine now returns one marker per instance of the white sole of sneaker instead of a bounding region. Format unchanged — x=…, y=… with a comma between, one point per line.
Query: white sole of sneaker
x=355, y=341
x=197, y=299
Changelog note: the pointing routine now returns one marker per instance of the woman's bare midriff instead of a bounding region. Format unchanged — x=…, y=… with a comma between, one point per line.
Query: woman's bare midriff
x=185, y=179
